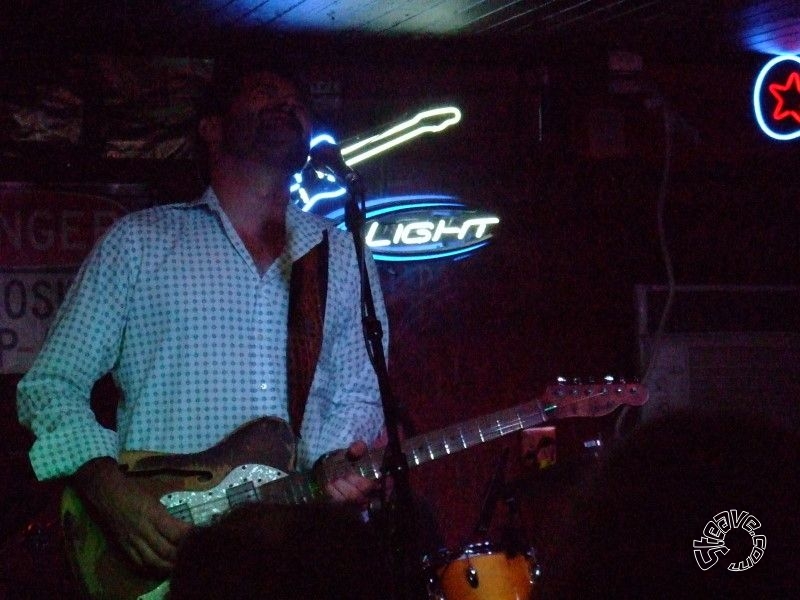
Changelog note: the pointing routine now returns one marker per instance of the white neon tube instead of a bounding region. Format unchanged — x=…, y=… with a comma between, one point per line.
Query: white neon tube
x=433, y=120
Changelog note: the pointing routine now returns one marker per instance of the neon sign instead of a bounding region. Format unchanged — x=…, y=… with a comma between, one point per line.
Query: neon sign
x=399, y=228
x=423, y=227
x=433, y=120
x=776, y=98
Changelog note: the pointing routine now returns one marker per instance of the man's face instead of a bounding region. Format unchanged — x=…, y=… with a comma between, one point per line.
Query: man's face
x=268, y=122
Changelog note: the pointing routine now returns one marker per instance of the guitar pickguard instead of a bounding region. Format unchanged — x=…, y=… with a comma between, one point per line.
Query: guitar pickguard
x=238, y=487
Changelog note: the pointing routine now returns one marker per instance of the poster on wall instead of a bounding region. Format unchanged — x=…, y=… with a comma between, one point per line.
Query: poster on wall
x=45, y=233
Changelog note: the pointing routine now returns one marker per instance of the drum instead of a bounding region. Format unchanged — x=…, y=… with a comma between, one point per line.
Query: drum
x=483, y=572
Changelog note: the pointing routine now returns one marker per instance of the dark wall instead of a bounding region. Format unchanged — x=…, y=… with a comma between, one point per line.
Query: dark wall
x=554, y=295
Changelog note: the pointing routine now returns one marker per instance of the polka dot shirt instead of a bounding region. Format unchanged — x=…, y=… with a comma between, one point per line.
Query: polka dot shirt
x=172, y=304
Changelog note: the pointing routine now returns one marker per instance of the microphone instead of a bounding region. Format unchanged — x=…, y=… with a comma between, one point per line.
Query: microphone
x=326, y=156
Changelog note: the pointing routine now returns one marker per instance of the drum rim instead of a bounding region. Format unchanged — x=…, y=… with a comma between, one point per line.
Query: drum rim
x=472, y=549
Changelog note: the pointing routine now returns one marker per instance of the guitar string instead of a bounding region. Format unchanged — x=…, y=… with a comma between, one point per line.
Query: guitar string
x=339, y=466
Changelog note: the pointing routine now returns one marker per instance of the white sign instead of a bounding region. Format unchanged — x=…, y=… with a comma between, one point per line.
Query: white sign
x=28, y=302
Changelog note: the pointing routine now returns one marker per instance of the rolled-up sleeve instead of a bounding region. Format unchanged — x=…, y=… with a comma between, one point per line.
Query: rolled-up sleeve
x=53, y=398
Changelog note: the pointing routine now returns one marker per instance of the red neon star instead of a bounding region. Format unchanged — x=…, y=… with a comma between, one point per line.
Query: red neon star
x=778, y=91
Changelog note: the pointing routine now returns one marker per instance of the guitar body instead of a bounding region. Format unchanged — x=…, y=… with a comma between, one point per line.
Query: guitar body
x=103, y=568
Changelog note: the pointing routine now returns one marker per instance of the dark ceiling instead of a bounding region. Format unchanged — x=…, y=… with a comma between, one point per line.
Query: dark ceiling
x=681, y=29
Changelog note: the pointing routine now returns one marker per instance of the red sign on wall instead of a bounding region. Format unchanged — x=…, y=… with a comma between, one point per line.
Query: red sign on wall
x=44, y=236
x=50, y=228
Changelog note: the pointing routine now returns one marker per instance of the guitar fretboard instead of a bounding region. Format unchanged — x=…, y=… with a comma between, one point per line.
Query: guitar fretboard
x=271, y=485
x=448, y=440
x=296, y=488
x=301, y=488
x=560, y=401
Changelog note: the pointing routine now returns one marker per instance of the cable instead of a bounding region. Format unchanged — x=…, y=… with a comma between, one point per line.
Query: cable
x=669, y=131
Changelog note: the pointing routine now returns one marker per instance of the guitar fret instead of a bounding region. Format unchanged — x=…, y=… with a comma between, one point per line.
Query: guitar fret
x=474, y=435
x=508, y=423
x=505, y=424
x=293, y=489
x=486, y=427
x=435, y=449
x=449, y=438
x=542, y=415
x=457, y=438
x=442, y=447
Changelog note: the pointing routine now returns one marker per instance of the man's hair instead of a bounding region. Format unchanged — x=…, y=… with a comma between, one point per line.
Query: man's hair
x=231, y=70
x=228, y=75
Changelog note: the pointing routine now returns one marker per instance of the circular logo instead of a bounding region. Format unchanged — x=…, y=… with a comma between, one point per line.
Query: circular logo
x=709, y=547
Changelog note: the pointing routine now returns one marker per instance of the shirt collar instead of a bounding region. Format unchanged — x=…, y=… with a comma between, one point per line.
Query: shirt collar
x=304, y=230
x=208, y=199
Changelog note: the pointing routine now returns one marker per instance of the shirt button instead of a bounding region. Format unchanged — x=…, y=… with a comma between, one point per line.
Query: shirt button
x=263, y=386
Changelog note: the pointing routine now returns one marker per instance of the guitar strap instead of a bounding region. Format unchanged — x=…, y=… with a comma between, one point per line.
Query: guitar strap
x=308, y=290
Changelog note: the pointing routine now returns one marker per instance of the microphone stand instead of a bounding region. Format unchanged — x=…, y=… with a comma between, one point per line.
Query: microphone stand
x=408, y=583
x=495, y=490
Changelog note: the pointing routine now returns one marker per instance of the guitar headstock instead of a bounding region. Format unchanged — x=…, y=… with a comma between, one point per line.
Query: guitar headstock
x=592, y=399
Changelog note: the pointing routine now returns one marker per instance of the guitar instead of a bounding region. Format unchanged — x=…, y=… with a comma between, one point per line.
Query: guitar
x=254, y=464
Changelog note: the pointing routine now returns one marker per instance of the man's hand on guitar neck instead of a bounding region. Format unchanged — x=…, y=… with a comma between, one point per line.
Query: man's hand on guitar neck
x=147, y=533
x=347, y=485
